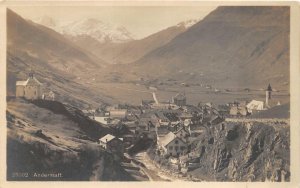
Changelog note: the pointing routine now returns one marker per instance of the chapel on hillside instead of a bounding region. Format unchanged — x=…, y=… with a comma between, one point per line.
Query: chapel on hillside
x=30, y=89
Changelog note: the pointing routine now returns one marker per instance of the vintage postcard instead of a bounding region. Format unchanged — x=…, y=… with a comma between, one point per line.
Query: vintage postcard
x=140, y=92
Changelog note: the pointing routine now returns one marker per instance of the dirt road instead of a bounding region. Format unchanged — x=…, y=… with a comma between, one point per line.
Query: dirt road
x=156, y=173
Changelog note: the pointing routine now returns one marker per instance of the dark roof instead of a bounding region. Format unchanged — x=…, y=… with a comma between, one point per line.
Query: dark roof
x=172, y=116
x=147, y=102
x=180, y=96
x=181, y=128
x=281, y=111
x=269, y=88
x=161, y=116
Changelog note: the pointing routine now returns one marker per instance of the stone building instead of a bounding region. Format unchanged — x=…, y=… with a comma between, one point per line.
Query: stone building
x=30, y=89
x=179, y=99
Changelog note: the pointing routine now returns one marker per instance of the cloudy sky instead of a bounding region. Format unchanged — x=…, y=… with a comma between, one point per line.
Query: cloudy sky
x=141, y=21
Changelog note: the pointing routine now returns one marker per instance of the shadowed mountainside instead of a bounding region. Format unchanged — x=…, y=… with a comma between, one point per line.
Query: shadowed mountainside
x=231, y=47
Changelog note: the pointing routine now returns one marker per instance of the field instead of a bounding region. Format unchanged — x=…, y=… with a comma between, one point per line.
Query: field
x=134, y=93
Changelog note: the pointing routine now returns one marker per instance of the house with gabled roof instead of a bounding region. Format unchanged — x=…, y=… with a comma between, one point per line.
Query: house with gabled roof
x=183, y=134
x=112, y=144
x=172, y=145
x=162, y=119
x=179, y=99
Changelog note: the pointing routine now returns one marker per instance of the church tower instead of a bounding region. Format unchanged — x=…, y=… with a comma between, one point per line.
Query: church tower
x=268, y=95
x=31, y=74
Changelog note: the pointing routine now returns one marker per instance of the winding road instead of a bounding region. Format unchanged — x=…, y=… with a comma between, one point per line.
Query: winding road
x=153, y=172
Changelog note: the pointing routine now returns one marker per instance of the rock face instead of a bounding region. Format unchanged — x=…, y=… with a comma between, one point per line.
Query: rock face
x=245, y=152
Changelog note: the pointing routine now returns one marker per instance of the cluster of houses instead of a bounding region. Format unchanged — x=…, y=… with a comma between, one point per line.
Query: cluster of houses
x=174, y=125
x=175, y=130
x=244, y=108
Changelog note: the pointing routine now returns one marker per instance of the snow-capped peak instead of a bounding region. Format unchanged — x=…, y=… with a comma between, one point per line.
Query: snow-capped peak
x=103, y=32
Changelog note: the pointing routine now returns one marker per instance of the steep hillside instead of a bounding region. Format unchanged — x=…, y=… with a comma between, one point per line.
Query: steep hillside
x=120, y=53
x=58, y=63
x=45, y=145
x=39, y=42
x=231, y=47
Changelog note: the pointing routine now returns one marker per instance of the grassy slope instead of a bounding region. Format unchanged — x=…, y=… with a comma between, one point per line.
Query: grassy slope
x=64, y=146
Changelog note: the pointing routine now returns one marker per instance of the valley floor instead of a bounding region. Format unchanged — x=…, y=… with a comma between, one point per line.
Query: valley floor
x=123, y=92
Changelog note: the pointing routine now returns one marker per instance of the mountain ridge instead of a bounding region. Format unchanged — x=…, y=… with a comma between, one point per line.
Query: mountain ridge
x=227, y=48
x=128, y=52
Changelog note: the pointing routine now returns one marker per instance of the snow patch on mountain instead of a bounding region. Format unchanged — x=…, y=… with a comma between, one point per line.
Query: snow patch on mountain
x=188, y=23
x=103, y=32
x=99, y=30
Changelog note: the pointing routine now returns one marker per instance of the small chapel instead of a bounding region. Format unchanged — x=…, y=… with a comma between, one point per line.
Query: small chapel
x=30, y=89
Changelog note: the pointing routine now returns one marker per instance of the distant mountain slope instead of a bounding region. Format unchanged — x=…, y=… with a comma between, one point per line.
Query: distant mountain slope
x=26, y=38
x=128, y=52
x=232, y=46
x=56, y=61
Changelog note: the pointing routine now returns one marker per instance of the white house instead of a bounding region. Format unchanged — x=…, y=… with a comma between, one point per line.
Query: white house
x=30, y=89
x=112, y=144
x=172, y=145
x=255, y=105
x=102, y=119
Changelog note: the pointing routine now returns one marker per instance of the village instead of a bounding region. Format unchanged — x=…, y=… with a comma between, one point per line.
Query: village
x=174, y=126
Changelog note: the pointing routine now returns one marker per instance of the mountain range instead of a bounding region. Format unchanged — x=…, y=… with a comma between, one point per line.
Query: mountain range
x=128, y=52
x=231, y=47
x=55, y=60
x=98, y=30
x=112, y=43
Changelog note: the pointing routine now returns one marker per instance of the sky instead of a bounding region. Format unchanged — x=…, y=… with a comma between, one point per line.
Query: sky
x=141, y=21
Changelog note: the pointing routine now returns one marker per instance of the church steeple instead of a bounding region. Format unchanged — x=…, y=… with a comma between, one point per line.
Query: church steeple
x=268, y=95
x=31, y=74
x=269, y=88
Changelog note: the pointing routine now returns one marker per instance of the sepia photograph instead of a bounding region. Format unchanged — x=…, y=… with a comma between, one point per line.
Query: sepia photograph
x=148, y=93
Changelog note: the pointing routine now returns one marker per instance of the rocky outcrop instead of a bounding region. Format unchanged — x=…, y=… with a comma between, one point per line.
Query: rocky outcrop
x=245, y=152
